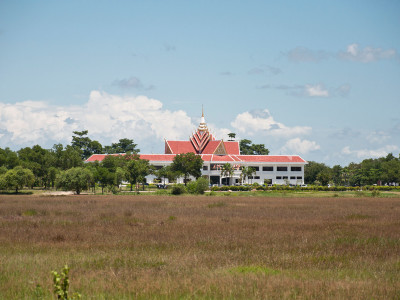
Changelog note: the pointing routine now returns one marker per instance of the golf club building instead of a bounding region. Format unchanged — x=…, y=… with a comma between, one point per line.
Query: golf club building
x=268, y=169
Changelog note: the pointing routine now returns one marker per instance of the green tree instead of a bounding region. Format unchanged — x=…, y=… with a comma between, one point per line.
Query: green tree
x=311, y=171
x=227, y=170
x=75, y=179
x=248, y=148
x=231, y=136
x=85, y=144
x=124, y=146
x=136, y=169
x=105, y=177
x=8, y=158
x=17, y=178
x=187, y=164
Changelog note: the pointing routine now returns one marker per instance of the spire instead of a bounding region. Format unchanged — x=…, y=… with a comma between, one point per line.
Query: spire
x=203, y=125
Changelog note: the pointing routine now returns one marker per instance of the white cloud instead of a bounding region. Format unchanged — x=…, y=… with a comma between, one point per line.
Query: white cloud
x=378, y=137
x=370, y=153
x=316, y=91
x=261, y=122
x=367, y=54
x=297, y=145
x=107, y=118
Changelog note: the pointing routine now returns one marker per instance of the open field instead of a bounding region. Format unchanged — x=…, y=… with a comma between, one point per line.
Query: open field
x=205, y=247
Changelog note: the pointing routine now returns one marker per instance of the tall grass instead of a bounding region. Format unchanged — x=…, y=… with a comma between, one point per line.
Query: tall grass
x=166, y=247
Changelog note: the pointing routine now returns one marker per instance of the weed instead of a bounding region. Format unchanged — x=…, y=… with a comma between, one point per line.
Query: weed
x=171, y=218
x=375, y=193
x=254, y=270
x=30, y=213
x=61, y=285
x=217, y=204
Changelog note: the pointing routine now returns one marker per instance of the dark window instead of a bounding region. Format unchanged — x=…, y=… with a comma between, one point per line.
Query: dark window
x=296, y=169
x=250, y=177
x=268, y=168
x=285, y=177
x=158, y=167
x=255, y=168
x=256, y=177
x=292, y=177
x=278, y=177
x=299, y=177
x=205, y=168
x=281, y=169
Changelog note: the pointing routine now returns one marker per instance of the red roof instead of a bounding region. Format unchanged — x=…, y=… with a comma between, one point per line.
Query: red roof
x=215, y=158
x=179, y=147
x=232, y=147
x=211, y=146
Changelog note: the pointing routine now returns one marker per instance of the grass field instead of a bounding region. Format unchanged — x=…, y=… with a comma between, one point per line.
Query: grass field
x=201, y=247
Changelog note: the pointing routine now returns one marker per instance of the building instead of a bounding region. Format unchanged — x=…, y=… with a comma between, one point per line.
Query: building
x=269, y=169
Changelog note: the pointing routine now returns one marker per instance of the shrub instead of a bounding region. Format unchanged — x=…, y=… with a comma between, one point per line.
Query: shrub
x=202, y=185
x=178, y=189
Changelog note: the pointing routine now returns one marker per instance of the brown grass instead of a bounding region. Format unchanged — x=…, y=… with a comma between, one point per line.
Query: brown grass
x=164, y=247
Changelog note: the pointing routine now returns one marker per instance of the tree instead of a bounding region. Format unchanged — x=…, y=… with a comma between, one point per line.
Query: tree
x=250, y=172
x=75, y=179
x=227, y=170
x=85, y=144
x=105, y=177
x=311, y=171
x=137, y=169
x=187, y=164
x=8, y=158
x=17, y=178
x=124, y=146
x=231, y=136
x=248, y=148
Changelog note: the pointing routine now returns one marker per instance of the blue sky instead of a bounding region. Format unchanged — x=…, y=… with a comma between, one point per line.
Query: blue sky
x=316, y=78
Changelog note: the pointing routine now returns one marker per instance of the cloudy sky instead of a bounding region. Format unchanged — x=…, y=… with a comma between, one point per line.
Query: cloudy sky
x=316, y=78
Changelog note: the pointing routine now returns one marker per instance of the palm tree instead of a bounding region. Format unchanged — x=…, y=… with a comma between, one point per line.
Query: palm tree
x=244, y=173
x=231, y=136
x=250, y=172
x=227, y=170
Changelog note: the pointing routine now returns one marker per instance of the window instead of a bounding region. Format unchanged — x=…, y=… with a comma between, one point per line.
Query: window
x=295, y=169
x=268, y=168
x=158, y=167
x=281, y=169
x=278, y=177
x=256, y=177
x=299, y=177
x=255, y=168
x=292, y=177
x=285, y=177
x=250, y=177
x=205, y=168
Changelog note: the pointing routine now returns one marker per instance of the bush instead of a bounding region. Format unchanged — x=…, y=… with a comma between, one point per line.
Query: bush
x=178, y=189
x=202, y=185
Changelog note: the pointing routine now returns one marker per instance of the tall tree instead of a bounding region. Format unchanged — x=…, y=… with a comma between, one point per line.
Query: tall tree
x=227, y=170
x=136, y=169
x=248, y=148
x=187, y=164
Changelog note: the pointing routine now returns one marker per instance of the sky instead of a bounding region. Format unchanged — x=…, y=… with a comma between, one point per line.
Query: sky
x=319, y=79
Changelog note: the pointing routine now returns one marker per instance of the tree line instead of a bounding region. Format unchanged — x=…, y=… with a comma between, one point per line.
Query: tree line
x=64, y=167
x=371, y=171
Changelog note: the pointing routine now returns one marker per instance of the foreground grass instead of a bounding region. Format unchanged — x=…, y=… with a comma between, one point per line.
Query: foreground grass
x=163, y=247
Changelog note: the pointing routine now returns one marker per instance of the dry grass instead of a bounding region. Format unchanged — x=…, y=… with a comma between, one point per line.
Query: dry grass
x=163, y=247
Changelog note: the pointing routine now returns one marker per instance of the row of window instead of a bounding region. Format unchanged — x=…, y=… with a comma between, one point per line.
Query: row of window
x=278, y=177
x=265, y=169
x=257, y=168
x=291, y=177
